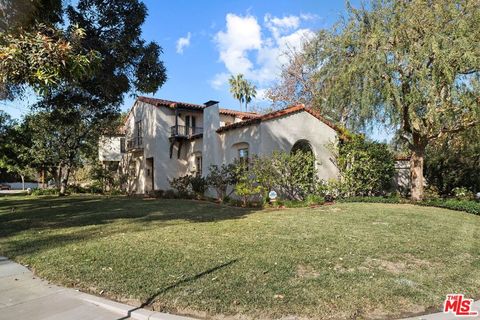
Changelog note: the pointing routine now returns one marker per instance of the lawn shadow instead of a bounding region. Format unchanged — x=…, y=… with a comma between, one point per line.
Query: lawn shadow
x=152, y=298
x=18, y=215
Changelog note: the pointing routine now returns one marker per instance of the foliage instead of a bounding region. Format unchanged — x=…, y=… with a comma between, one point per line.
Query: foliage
x=292, y=175
x=453, y=162
x=412, y=65
x=76, y=113
x=220, y=178
x=198, y=185
x=181, y=185
x=452, y=204
x=242, y=90
x=35, y=52
x=462, y=193
x=246, y=186
x=187, y=184
x=367, y=168
x=431, y=192
x=42, y=59
x=45, y=192
x=106, y=178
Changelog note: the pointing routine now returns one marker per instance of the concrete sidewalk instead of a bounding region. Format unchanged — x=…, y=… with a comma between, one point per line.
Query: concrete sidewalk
x=24, y=296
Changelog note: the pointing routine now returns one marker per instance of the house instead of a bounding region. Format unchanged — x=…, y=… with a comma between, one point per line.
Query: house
x=167, y=139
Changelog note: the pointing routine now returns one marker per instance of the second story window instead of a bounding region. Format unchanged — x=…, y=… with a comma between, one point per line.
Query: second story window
x=138, y=133
x=122, y=145
x=198, y=165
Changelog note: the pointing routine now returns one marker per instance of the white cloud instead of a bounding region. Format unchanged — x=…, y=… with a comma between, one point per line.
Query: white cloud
x=219, y=80
x=183, y=42
x=245, y=47
x=242, y=35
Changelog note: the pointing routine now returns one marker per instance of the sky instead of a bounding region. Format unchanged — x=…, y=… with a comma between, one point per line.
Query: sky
x=204, y=42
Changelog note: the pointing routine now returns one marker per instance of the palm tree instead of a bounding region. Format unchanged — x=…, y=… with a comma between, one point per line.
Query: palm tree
x=249, y=92
x=237, y=84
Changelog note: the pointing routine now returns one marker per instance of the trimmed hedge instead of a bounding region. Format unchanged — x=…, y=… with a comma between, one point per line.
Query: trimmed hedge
x=452, y=204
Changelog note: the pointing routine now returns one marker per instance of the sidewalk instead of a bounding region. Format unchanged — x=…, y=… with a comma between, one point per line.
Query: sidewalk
x=24, y=296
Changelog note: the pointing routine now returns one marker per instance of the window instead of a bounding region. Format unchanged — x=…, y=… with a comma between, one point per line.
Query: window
x=243, y=155
x=198, y=165
x=122, y=145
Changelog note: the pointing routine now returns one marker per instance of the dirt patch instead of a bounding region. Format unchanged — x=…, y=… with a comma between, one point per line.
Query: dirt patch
x=307, y=272
x=407, y=263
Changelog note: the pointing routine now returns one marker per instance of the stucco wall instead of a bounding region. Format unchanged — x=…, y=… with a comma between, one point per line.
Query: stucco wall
x=281, y=134
x=109, y=149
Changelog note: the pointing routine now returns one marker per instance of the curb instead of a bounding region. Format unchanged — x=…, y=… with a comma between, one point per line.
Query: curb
x=130, y=312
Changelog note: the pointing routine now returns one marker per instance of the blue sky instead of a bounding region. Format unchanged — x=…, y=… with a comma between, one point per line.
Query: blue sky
x=206, y=41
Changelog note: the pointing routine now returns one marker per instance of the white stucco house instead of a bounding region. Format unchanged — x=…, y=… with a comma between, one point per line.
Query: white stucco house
x=166, y=139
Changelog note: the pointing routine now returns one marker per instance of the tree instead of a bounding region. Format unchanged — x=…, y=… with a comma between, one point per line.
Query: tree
x=242, y=90
x=454, y=162
x=249, y=92
x=78, y=111
x=413, y=64
x=34, y=52
x=236, y=88
x=14, y=147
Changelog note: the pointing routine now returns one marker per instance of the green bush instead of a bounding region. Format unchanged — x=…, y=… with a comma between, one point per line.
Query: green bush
x=198, y=185
x=453, y=204
x=367, y=168
x=220, y=178
x=45, y=192
x=462, y=193
x=292, y=175
x=182, y=186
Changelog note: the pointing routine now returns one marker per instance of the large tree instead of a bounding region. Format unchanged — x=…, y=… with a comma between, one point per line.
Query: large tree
x=82, y=109
x=242, y=89
x=411, y=64
x=34, y=51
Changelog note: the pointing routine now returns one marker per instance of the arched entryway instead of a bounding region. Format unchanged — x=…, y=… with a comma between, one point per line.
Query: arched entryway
x=305, y=147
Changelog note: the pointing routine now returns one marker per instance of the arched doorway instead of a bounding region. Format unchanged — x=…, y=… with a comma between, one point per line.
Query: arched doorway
x=305, y=148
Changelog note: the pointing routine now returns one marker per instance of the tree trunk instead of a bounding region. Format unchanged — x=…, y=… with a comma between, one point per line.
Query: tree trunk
x=64, y=182
x=23, y=182
x=416, y=173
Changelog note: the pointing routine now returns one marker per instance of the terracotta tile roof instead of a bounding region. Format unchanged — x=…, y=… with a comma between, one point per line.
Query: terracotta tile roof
x=240, y=114
x=192, y=106
x=278, y=114
x=171, y=104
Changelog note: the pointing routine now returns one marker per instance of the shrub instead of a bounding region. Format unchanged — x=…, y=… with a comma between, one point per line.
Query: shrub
x=453, y=204
x=220, y=178
x=181, y=185
x=198, y=185
x=292, y=175
x=314, y=199
x=367, y=168
x=462, y=193
x=45, y=192
x=431, y=192
x=246, y=186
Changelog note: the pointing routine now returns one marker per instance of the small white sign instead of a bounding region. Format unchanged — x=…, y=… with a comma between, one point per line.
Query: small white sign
x=272, y=195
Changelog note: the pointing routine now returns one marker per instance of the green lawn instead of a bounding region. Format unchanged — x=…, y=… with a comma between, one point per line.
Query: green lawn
x=350, y=260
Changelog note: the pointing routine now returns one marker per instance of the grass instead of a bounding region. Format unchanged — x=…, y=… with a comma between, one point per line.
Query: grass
x=343, y=261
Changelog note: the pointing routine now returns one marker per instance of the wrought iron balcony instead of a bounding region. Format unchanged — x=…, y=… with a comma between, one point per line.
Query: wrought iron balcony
x=135, y=143
x=184, y=131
